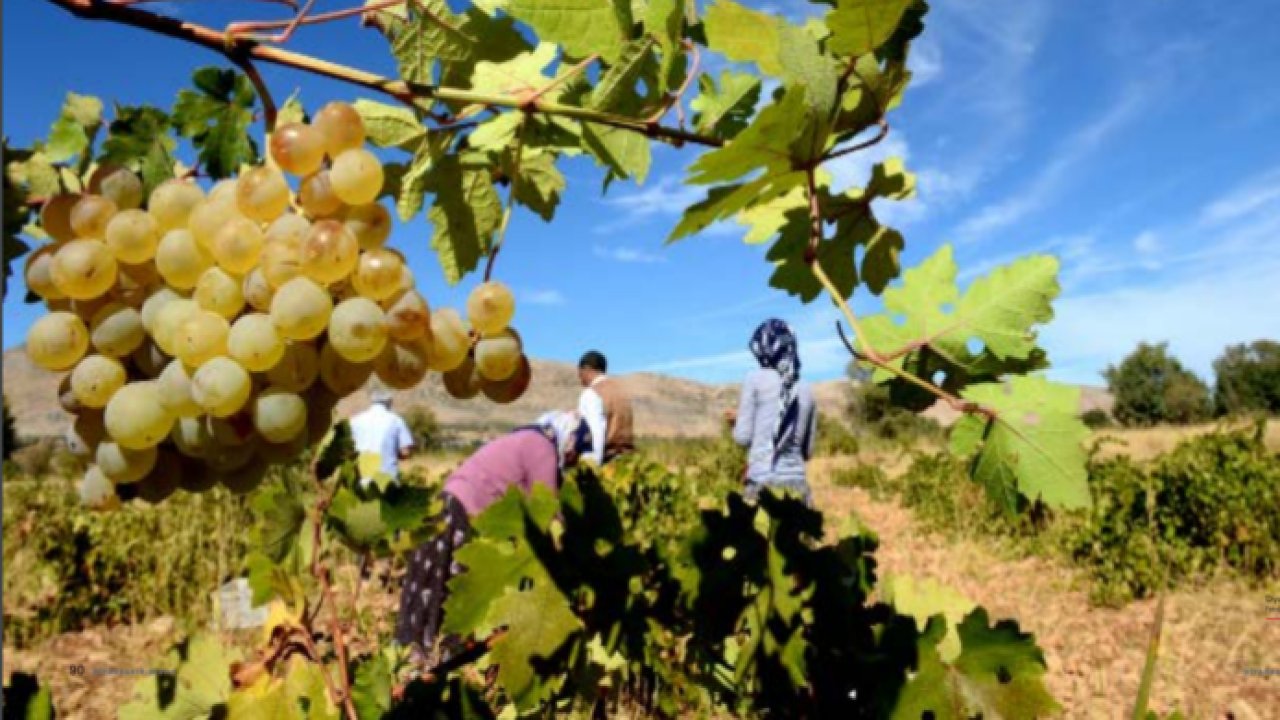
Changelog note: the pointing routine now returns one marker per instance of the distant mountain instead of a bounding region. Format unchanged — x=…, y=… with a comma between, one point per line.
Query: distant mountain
x=665, y=406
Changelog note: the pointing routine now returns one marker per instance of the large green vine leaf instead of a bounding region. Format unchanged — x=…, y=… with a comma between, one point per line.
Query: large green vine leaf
x=1035, y=444
x=538, y=623
x=862, y=26
x=72, y=133
x=216, y=118
x=724, y=109
x=139, y=139
x=581, y=27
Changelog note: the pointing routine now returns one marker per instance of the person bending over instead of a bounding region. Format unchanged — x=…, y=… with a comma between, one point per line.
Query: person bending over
x=528, y=456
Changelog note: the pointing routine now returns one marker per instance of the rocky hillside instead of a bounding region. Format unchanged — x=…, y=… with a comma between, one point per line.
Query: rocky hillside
x=664, y=406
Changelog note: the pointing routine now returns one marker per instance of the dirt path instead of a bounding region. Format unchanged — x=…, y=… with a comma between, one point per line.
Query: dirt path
x=1095, y=655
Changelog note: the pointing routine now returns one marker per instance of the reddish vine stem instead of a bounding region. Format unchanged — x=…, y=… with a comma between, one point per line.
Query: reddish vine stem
x=269, y=109
x=303, y=19
x=245, y=29
x=398, y=89
x=674, y=99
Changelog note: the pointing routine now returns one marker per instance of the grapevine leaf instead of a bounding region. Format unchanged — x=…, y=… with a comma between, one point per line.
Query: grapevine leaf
x=84, y=110
x=216, y=118
x=199, y=687
x=581, y=27
x=926, y=289
x=433, y=34
x=793, y=273
x=304, y=682
x=744, y=35
x=767, y=142
x=880, y=263
x=359, y=521
x=890, y=179
x=767, y=219
x=139, y=139
x=496, y=133
x=498, y=558
x=1003, y=306
x=805, y=64
x=620, y=79
x=724, y=111
x=371, y=686
x=925, y=598
x=335, y=449
x=292, y=111
x=1001, y=670
x=388, y=125
x=861, y=26
x=73, y=131
x=928, y=693
x=625, y=153
x=664, y=20
x=26, y=699
x=414, y=180
x=1035, y=444
x=67, y=139
x=538, y=621
x=540, y=183
x=522, y=73
x=263, y=699
x=35, y=174
x=467, y=211
x=728, y=200
x=280, y=518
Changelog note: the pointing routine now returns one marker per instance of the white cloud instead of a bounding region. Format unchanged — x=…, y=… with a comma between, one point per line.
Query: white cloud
x=627, y=255
x=1148, y=246
x=542, y=297
x=1198, y=314
x=925, y=61
x=1251, y=197
x=668, y=196
x=1036, y=193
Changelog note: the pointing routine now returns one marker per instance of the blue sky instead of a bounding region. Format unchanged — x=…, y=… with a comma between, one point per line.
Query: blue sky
x=1136, y=140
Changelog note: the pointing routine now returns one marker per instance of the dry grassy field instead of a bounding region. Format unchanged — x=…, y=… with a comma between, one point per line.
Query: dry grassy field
x=1213, y=632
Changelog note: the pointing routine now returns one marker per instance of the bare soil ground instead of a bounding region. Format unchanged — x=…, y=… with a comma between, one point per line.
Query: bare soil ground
x=1213, y=635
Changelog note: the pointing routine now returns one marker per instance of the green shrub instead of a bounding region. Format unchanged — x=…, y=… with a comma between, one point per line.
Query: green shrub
x=1248, y=378
x=834, y=437
x=424, y=428
x=9, y=442
x=1214, y=500
x=868, y=477
x=1096, y=418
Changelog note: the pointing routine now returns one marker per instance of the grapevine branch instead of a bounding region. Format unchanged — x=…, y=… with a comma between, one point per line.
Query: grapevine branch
x=399, y=89
x=868, y=354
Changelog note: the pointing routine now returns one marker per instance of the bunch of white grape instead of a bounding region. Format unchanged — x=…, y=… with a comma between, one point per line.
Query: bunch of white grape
x=210, y=335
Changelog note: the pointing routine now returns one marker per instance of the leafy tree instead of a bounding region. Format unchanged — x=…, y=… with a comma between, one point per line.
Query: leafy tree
x=1150, y=386
x=1248, y=378
x=424, y=427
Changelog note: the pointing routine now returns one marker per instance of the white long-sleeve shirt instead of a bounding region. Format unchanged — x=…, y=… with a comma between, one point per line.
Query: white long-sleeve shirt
x=591, y=407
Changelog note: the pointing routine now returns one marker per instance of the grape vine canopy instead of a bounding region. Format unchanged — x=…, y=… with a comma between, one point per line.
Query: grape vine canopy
x=620, y=586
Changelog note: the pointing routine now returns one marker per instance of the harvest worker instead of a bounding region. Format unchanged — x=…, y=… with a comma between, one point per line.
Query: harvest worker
x=528, y=456
x=606, y=408
x=775, y=416
x=381, y=437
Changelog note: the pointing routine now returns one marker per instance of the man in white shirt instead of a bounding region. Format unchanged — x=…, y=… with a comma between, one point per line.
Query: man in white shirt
x=379, y=431
x=606, y=408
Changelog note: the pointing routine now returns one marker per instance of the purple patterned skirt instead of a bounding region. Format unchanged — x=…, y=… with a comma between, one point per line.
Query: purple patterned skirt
x=426, y=582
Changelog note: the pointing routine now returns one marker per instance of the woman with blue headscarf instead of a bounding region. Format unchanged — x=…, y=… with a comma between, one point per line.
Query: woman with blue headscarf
x=531, y=455
x=776, y=418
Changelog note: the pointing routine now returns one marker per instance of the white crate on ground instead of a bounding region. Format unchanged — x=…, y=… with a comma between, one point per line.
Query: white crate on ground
x=233, y=607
